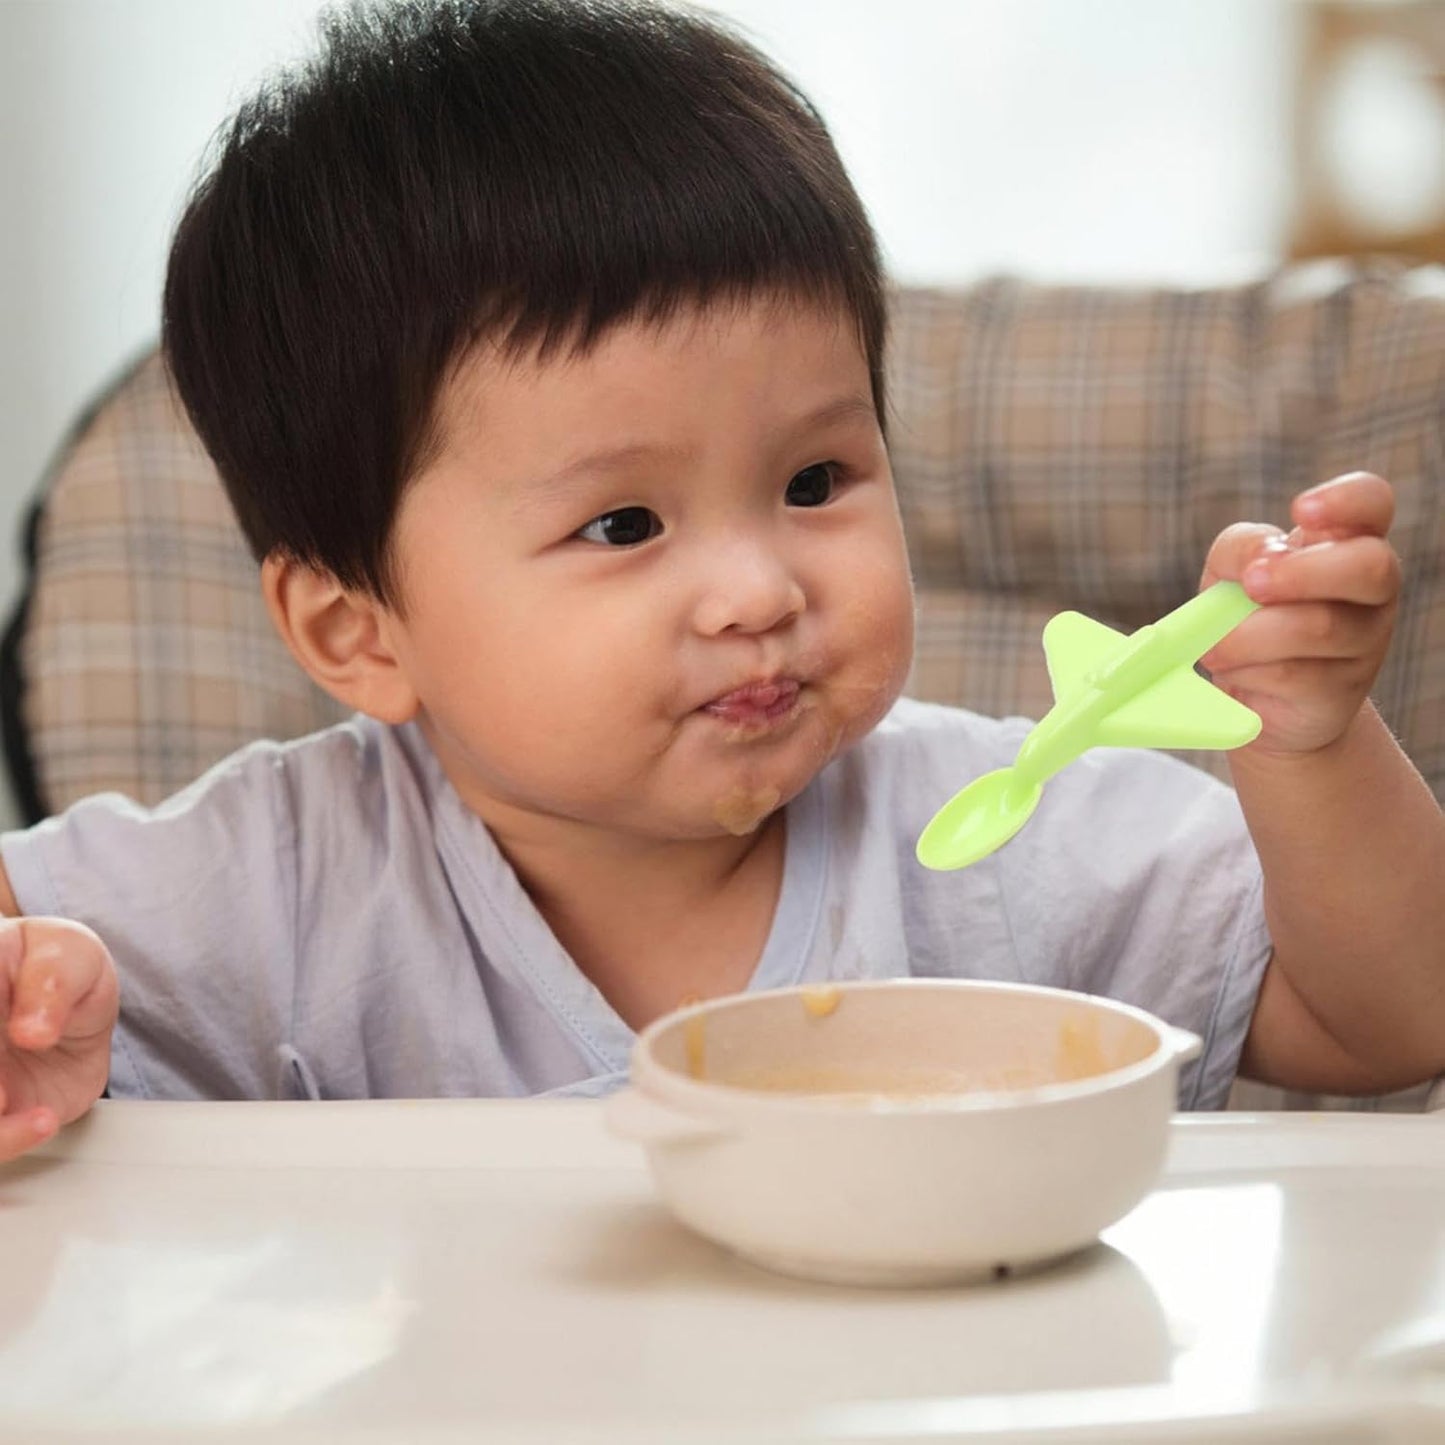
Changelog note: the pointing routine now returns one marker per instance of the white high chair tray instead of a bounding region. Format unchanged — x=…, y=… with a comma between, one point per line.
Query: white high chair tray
x=500, y=1272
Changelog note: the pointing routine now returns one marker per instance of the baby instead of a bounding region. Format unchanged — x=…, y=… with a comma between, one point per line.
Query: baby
x=540, y=346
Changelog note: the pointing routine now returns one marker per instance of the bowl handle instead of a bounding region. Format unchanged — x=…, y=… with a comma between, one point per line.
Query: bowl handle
x=639, y=1117
x=1186, y=1045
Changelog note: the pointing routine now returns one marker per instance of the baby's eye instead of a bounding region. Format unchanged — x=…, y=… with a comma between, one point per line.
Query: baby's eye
x=812, y=486
x=625, y=527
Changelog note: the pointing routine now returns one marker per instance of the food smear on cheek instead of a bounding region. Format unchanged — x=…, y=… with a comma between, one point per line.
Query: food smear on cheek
x=825, y=742
x=743, y=809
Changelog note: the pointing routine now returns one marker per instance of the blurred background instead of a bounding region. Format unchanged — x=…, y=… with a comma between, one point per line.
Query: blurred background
x=1184, y=141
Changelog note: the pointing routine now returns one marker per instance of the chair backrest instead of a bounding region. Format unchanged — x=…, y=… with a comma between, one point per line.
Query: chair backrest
x=141, y=651
x=1053, y=447
x=1080, y=447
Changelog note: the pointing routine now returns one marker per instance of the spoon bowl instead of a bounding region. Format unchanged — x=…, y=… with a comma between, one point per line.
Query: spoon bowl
x=979, y=819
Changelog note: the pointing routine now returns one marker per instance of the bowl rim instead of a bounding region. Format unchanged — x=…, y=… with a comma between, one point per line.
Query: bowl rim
x=712, y=1098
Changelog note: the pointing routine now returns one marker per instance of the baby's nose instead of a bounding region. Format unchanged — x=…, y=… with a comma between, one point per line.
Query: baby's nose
x=748, y=586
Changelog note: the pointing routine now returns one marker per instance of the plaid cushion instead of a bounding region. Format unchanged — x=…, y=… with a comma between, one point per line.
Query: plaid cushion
x=147, y=653
x=1081, y=447
x=1054, y=448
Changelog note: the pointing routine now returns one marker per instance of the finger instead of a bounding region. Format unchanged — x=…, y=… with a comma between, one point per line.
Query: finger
x=60, y=965
x=1294, y=679
x=1321, y=630
x=1360, y=569
x=1236, y=547
x=22, y=1131
x=1354, y=504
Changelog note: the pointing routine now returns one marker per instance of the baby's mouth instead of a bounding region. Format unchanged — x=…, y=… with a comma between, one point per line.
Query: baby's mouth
x=756, y=703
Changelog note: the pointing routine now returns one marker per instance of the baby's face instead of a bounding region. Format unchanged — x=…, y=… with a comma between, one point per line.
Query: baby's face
x=654, y=589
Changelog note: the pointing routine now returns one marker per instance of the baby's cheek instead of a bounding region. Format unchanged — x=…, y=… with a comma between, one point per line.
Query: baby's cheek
x=879, y=620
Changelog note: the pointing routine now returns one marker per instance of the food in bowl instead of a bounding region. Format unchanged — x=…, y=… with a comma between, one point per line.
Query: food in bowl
x=909, y=1131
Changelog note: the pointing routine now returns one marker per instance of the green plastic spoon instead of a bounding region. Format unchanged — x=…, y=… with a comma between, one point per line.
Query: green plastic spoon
x=1110, y=690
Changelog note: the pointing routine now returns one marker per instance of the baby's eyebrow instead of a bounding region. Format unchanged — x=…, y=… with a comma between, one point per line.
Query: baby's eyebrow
x=852, y=407
x=600, y=463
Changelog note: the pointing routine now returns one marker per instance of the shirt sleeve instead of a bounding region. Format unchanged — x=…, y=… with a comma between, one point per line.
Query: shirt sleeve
x=196, y=901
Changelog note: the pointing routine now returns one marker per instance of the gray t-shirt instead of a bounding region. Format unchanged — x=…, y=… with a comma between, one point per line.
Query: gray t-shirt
x=324, y=918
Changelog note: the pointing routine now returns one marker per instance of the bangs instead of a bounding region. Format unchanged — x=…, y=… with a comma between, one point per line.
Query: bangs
x=532, y=172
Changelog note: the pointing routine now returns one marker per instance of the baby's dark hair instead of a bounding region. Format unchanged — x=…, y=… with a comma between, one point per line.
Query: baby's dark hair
x=529, y=172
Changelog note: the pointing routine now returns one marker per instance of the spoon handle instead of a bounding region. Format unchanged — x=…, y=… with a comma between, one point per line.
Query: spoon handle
x=1177, y=639
x=1206, y=619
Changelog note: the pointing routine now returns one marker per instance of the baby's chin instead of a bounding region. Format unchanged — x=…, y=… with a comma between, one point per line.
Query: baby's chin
x=736, y=808
x=744, y=810
x=736, y=796
x=745, y=804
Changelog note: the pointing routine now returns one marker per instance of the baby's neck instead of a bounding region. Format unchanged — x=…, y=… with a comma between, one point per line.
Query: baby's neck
x=653, y=927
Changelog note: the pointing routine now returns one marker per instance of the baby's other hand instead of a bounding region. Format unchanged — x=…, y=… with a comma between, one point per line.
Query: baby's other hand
x=1306, y=660
x=58, y=1005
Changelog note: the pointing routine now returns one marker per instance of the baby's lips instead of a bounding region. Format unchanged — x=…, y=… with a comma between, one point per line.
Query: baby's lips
x=755, y=694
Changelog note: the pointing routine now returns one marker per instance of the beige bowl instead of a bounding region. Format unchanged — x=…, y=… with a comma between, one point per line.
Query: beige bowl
x=904, y=1131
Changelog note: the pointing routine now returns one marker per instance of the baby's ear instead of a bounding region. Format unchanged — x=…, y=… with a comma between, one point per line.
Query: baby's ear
x=340, y=637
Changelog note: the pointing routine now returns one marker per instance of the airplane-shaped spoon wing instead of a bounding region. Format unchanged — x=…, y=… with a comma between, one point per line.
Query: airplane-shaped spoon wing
x=1110, y=690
